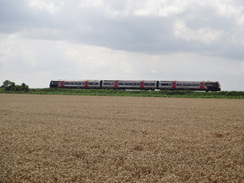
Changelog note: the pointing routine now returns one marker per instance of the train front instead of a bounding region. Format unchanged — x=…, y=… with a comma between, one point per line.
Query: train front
x=213, y=86
x=54, y=84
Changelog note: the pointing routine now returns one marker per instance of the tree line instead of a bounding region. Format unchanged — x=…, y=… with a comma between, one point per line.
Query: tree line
x=11, y=86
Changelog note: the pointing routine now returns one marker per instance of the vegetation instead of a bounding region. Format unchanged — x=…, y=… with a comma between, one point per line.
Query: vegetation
x=46, y=138
x=9, y=86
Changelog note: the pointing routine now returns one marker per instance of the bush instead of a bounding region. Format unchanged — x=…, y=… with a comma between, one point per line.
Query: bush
x=10, y=86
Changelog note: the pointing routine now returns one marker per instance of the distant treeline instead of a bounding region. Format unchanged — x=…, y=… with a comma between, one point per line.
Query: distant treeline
x=133, y=93
x=10, y=86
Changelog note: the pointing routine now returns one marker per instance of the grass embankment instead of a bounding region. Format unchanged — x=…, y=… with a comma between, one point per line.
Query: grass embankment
x=163, y=93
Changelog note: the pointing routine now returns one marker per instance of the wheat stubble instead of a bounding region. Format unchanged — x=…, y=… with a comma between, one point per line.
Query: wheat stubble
x=120, y=139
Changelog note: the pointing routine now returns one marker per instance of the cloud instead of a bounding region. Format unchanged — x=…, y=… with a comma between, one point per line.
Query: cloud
x=50, y=7
x=149, y=26
x=202, y=35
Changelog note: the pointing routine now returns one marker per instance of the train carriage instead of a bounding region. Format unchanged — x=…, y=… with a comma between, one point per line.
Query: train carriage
x=129, y=84
x=189, y=85
x=182, y=85
x=76, y=84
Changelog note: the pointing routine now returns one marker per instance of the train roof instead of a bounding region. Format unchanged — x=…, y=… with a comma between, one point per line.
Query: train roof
x=77, y=80
x=131, y=80
x=188, y=81
x=136, y=81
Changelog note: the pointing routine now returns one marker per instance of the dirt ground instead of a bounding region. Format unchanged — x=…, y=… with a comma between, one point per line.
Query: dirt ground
x=47, y=138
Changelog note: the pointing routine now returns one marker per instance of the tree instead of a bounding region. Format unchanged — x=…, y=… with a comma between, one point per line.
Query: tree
x=7, y=83
x=24, y=87
x=10, y=86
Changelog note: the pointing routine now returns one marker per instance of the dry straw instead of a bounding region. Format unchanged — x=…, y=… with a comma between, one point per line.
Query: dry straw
x=120, y=139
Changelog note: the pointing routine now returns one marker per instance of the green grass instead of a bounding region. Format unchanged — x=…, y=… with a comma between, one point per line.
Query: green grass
x=103, y=92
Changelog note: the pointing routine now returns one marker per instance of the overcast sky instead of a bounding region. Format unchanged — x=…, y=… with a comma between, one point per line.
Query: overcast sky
x=43, y=40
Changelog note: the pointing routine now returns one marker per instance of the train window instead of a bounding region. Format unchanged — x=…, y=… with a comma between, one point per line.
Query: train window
x=108, y=83
x=165, y=84
x=90, y=83
x=149, y=84
x=212, y=85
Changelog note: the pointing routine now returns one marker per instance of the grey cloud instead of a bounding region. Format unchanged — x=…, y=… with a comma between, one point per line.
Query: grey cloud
x=15, y=17
x=151, y=34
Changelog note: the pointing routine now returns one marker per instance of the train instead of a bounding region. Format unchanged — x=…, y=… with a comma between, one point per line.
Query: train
x=137, y=85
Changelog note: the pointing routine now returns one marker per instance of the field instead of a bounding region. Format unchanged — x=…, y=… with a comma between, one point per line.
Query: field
x=51, y=138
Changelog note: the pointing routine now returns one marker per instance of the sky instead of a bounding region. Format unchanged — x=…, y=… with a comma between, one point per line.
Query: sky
x=186, y=40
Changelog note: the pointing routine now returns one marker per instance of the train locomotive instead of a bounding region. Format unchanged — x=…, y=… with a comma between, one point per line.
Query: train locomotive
x=137, y=85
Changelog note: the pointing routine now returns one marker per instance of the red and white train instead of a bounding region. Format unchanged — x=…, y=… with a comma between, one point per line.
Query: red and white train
x=137, y=85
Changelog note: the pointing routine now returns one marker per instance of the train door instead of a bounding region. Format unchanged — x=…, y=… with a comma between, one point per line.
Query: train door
x=174, y=85
x=202, y=85
x=116, y=84
x=86, y=84
x=61, y=84
x=142, y=84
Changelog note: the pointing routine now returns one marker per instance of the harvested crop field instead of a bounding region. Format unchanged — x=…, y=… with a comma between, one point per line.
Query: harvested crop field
x=120, y=139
